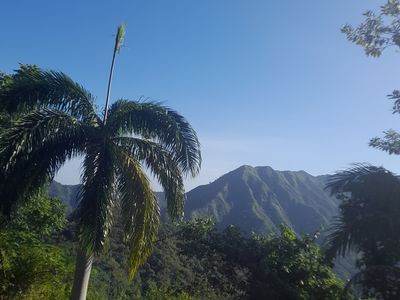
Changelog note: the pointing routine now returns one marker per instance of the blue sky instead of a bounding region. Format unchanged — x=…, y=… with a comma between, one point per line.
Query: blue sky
x=262, y=82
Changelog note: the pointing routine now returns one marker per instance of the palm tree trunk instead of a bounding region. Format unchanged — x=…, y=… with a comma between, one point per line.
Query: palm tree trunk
x=82, y=274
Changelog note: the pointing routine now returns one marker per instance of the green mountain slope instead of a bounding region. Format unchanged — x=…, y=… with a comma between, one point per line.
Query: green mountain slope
x=256, y=199
x=260, y=199
x=66, y=193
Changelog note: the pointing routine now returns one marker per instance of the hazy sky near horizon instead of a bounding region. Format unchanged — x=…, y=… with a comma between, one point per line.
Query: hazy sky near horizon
x=263, y=82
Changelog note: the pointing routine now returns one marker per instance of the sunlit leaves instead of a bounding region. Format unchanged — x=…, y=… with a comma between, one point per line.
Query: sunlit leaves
x=139, y=210
x=159, y=161
x=163, y=126
x=33, y=88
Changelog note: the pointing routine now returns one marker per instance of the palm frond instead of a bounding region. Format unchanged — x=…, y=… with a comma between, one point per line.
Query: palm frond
x=161, y=124
x=32, y=131
x=34, y=149
x=340, y=238
x=139, y=209
x=369, y=206
x=345, y=181
x=163, y=167
x=96, y=198
x=33, y=88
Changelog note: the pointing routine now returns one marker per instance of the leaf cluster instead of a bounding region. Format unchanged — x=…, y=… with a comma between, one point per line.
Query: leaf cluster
x=32, y=264
x=378, y=31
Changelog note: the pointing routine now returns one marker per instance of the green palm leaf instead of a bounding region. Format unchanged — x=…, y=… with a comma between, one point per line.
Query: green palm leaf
x=33, y=150
x=369, y=207
x=163, y=125
x=96, y=198
x=32, y=88
x=32, y=131
x=352, y=179
x=163, y=167
x=139, y=209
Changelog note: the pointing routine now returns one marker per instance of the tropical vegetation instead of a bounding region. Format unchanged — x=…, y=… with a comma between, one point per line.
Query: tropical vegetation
x=54, y=119
x=369, y=224
x=191, y=260
x=46, y=119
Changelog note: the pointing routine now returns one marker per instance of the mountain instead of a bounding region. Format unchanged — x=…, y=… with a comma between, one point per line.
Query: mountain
x=66, y=193
x=259, y=199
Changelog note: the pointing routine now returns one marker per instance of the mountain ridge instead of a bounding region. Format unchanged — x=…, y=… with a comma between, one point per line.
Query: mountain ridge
x=260, y=198
x=257, y=199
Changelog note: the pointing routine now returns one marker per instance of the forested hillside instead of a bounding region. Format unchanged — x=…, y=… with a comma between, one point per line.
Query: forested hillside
x=260, y=199
x=257, y=199
x=190, y=260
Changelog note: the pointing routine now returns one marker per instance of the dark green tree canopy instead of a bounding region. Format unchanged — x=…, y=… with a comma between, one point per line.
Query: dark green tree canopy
x=369, y=223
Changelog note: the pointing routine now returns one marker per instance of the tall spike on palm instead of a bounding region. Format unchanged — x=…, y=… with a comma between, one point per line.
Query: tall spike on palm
x=119, y=39
x=55, y=120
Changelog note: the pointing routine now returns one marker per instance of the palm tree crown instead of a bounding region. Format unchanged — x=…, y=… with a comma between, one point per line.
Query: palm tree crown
x=369, y=212
x=55, y=120
x=369, y=223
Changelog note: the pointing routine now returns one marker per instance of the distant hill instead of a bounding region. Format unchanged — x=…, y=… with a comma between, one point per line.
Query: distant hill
x=259, y=199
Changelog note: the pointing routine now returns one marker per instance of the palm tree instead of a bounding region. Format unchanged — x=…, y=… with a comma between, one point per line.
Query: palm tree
x=369, y=223
x=56, y=121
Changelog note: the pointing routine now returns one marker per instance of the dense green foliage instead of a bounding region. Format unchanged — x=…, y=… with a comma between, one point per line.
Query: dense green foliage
x=369, y=223
x=191, y=260
x=276, y=266
x=32, y=265
x=53, y=119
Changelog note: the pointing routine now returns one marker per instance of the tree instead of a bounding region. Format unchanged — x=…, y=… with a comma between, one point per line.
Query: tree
x=377, y=33
x=56, y=120
x=369, y=224
x=275, y=266
x=32, y=266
